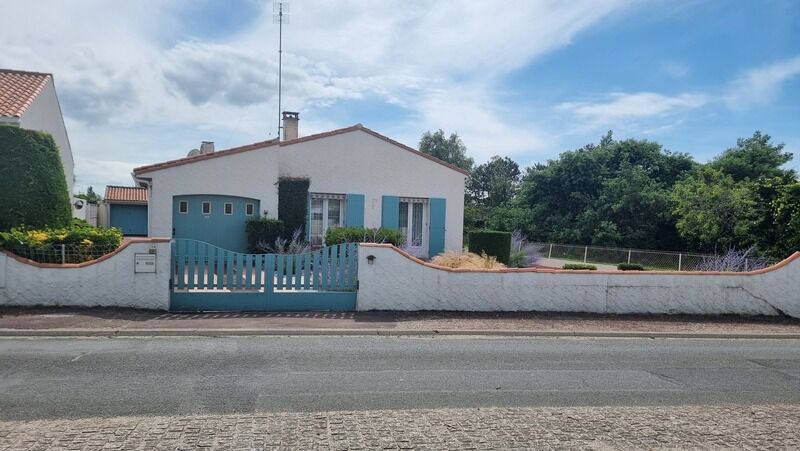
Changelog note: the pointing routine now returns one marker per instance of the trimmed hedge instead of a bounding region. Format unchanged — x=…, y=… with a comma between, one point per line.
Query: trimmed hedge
x=579, y=266
x=630, y=267
x=293, y=203
x=339, y=235
x=492, y=242
x=32, y=182
x=262, y=230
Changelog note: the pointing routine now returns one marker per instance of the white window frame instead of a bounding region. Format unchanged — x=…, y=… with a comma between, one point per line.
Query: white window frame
x=325, y=197
x=249, y=209
x=422, y=249
x=182, y=203
x=225, y=208
x=203, y=208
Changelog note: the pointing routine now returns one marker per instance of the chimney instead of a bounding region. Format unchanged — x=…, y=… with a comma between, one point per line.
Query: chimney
x=206, y=147
x=290, y=120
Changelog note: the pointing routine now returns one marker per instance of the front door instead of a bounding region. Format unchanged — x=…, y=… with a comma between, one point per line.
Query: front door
x=413, y=224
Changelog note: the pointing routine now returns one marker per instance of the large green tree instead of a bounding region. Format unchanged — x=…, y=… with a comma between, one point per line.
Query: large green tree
x=450, y=149
x=493, y=183
x=752, y=158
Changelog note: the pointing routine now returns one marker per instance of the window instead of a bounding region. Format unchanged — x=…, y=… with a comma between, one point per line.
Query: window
x=327, y=211
x=228, y=208
x=411, y=222
x=206, y=207
x=249, y=209
x=183, y=207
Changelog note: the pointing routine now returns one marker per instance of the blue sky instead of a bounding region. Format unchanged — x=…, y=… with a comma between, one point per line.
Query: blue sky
x=146, y=81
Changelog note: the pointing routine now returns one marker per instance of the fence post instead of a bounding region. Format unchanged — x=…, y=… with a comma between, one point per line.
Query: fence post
x=585, y=252
x=629, y=256
x=550, y=252
x=680, y=261
x=63, y=255
x=745, y=264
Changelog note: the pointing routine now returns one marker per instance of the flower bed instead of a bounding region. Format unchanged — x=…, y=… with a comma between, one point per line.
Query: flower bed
x=77, y=243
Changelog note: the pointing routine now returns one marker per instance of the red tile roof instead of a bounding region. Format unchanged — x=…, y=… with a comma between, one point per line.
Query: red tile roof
x=133, y=194
x=18, y=89
x=275, y=142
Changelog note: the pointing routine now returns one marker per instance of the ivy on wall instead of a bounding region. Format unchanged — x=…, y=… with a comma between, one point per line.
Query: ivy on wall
x=32, y=181
x=293, y=202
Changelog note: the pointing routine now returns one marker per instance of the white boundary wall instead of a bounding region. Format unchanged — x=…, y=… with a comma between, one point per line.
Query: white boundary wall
x=110, y=282
x=396, y=281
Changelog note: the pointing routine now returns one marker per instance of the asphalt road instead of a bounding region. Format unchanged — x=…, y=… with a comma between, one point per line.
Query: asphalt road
x=72, y=378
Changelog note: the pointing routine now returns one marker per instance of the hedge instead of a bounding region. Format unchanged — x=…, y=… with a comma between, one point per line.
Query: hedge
x=492, y=242
x=84, y=242
x=630, y=267
x=32, y=182
x=579, y=266
x=339, y=235
x=262, y=230
x=293, y=203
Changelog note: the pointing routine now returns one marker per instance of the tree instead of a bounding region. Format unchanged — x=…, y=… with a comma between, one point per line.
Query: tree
x=752, y=158
x=90, y=196
x=493, y=183
x=451, y=150
x=713, y=211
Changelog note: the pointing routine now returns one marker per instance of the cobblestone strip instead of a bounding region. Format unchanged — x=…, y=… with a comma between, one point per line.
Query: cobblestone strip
x=601, y=428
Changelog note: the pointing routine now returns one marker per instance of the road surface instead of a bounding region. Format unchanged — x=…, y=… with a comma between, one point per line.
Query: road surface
x=77, y=378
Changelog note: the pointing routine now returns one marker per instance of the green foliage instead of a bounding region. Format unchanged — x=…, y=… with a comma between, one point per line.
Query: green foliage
x=752, y=158
x=262, y=230
x=32, y=182
x=579, y=266
x=339, y=235
x=517, y=259
x=451, y=150
x=630, y=267
x=493, y=183
x=293, y=202
x=83, y=240
x=492, y=242
x=90, y=196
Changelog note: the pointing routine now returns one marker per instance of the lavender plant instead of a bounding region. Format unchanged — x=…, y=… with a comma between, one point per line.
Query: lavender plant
x=295, y=245
x=734, y=260
x=523, y=253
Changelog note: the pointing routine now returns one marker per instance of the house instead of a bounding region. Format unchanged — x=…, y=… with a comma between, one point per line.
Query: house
x=126, y=209
x=29, y=100
x=357, y=177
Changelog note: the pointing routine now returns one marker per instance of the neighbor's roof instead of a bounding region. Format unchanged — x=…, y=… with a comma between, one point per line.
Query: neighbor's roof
x=276, y=143
x=18, y=89
x=126, y=194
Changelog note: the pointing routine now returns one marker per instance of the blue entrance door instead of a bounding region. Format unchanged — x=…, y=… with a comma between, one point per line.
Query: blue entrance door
x=214, y=219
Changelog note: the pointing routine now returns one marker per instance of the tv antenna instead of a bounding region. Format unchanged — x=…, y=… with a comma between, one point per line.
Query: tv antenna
x=280, y=16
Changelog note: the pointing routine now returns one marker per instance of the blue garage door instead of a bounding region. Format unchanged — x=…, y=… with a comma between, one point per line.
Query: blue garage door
x=219, y=220
x=130, y=218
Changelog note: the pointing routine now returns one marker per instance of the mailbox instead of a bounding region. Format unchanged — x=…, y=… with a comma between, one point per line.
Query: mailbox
x=144, y=263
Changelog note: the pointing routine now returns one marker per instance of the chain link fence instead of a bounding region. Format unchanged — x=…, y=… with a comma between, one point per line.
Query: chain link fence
x=654, y=260
x=61, y=253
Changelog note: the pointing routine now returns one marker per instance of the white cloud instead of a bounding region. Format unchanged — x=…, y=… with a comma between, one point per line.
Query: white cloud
x=762, y=85
x=630, y=106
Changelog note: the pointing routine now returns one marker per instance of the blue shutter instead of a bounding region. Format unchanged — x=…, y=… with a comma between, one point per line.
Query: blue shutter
x=390, y=211
x=437, y=222
x=354, y=210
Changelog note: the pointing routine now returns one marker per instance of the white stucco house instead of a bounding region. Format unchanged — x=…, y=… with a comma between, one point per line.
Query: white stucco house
x=357, y=177
x=28, y=100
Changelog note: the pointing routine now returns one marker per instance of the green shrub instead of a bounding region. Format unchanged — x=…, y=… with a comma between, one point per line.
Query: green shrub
x=82, y=241
x=494, y=243
x=293, y=203
x=32, y=182
x=630, y=267
x=579, y=266
x=339, y=235
x=517, y=259
x=262, y=230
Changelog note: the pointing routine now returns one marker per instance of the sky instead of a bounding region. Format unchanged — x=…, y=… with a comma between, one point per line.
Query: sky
x=146, y=81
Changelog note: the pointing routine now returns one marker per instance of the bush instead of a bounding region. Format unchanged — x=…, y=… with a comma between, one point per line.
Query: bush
x=452, y=259
x=579, y=266
x=494, y=243
x=82, y=241
x=630, y=267
x=339, y=235
x=32, y=182
x=293, y=202
x=262, y=230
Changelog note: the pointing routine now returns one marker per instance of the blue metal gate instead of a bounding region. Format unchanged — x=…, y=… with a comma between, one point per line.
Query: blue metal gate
x=209, y=278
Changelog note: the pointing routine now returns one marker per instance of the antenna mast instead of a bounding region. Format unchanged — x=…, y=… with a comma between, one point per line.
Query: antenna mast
x=280, y=15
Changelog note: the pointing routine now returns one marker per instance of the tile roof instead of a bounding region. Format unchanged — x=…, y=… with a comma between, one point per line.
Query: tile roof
x=18, y=89
x=126, y=194
x=277, y=143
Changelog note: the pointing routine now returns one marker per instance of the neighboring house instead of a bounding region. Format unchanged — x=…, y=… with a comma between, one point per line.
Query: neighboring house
x=29, y=100
x=126, y=209
x=357, y=178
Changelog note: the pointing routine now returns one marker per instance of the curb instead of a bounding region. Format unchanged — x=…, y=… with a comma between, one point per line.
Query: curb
x=111, y=333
